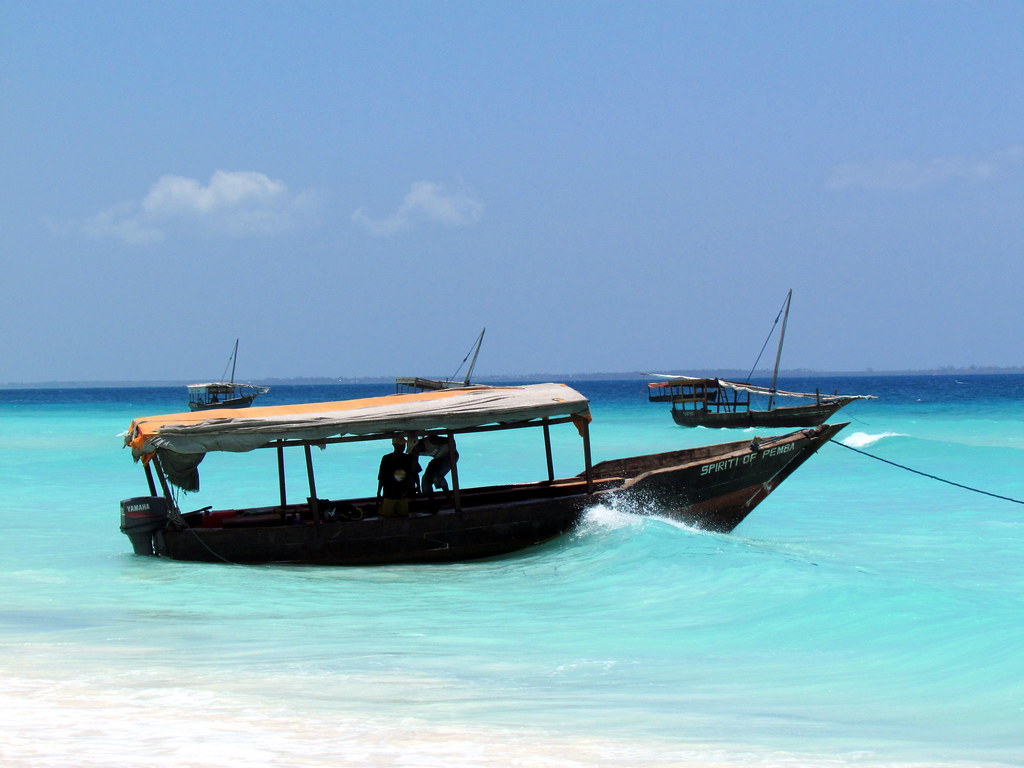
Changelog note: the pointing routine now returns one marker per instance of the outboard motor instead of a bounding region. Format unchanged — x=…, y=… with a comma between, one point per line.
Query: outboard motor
x=141, y=517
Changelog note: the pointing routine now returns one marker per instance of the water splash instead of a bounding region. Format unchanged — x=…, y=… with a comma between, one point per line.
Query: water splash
x=612, y=516
x=863, y=439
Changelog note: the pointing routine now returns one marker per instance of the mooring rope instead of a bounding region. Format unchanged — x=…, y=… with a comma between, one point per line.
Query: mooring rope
x=177, y=518
x=925, y=474
x=207, y=546
x=181, y=521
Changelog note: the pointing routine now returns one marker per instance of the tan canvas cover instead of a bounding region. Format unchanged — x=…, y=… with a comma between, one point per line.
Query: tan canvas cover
x=231, y=430
x=676, y=380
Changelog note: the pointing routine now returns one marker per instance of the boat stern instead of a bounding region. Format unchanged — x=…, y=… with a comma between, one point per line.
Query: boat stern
x=141, y=517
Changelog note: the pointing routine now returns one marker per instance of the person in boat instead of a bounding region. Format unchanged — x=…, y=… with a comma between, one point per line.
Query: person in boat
x=444, y=455
x=398, y=480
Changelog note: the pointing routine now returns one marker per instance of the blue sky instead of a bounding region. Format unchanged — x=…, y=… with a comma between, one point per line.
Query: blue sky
x=356, y=189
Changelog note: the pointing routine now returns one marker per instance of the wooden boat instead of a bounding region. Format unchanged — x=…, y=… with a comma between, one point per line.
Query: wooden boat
x=713, y=402
x=224, y=394
x=700, y=402
x=713, y=487
x=419, y=384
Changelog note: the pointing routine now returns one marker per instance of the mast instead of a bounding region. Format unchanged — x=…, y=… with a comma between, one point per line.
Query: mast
x=479, y=341
x=234, y=361
x=778, y=354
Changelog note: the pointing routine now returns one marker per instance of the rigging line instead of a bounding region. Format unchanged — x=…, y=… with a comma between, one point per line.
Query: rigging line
x=195, y=535
x=765, y=345
x=925, y=474
x=224, y=376
x=463, y=362
x=206, y=546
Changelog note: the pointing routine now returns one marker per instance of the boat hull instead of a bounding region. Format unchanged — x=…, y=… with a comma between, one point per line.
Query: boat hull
x=784, y=417
x=712, y=487
x=442, y=536
x=716, y=491
x=236, y=402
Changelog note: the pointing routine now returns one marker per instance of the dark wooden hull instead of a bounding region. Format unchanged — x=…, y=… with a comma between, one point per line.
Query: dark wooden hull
x=235, y=402
x=784, y=417
x=422, y=537
x=713, y=487
x=716, y=491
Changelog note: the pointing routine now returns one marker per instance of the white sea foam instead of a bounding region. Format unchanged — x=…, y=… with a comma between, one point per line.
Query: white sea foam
x=863, y=439
x=62, y=724
x=50, y=724
x=607, y=517
x=627, y=515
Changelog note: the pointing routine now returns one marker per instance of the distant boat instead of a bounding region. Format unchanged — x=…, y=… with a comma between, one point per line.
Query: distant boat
x=713, y=402
x=416, y=383
x=224, y=394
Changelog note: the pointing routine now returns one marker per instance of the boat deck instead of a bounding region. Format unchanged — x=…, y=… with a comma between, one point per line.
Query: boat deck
x=342, y=510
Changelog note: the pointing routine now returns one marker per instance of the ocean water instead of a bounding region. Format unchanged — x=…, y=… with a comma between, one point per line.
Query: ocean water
x=864, y=615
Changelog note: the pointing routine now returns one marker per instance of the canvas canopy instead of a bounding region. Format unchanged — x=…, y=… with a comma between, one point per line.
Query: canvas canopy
x=223, y=386
x=689, y=381
x=219, y=387
x=197, y=433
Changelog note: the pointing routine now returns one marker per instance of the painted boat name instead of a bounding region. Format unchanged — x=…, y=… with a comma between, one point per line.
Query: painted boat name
x=749, y=458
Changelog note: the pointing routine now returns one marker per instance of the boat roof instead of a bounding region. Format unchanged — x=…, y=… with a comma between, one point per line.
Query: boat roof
x=212, y=385
x=689, y=381
x=417, y=382
x=225, y=385
x=199, y=432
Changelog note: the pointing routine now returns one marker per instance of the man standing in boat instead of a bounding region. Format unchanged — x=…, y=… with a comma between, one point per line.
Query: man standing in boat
x=398, y=480
x=443, y=453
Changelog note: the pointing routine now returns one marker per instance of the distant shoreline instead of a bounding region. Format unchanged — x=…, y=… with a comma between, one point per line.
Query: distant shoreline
x=511, y=378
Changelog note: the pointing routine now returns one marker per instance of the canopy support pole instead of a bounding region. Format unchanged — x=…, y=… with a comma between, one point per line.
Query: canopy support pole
x=586, y=457
x=149, y=479
x=456, y=497
x=163, y=483
x=280, y=474
x=313, y=503
x=547, y=451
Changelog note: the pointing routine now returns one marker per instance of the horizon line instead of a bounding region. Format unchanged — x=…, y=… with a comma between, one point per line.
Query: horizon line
x=535, y=376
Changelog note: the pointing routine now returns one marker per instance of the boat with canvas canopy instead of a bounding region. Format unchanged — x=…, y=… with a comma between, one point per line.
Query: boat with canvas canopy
x=714, y=487
x=224, y=394
x=714, y=402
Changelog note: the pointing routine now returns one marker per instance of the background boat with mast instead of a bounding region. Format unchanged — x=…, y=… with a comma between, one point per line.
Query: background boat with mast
x=713, y=402
x=419, y=384
x=224, y=394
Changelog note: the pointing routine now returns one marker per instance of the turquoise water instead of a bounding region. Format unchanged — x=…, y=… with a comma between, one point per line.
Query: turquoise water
x=862, y=616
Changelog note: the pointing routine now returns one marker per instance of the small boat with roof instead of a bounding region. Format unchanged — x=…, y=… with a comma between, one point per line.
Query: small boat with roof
x=224, y=394
x=713, y=402
x=713, y=487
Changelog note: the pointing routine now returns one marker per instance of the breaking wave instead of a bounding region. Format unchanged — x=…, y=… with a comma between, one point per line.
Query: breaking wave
x=863, y=439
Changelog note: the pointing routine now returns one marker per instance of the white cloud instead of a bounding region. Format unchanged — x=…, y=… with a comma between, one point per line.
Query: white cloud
x=912, y=175
x=425, y=201
x=235, y=203
x=122, y=222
